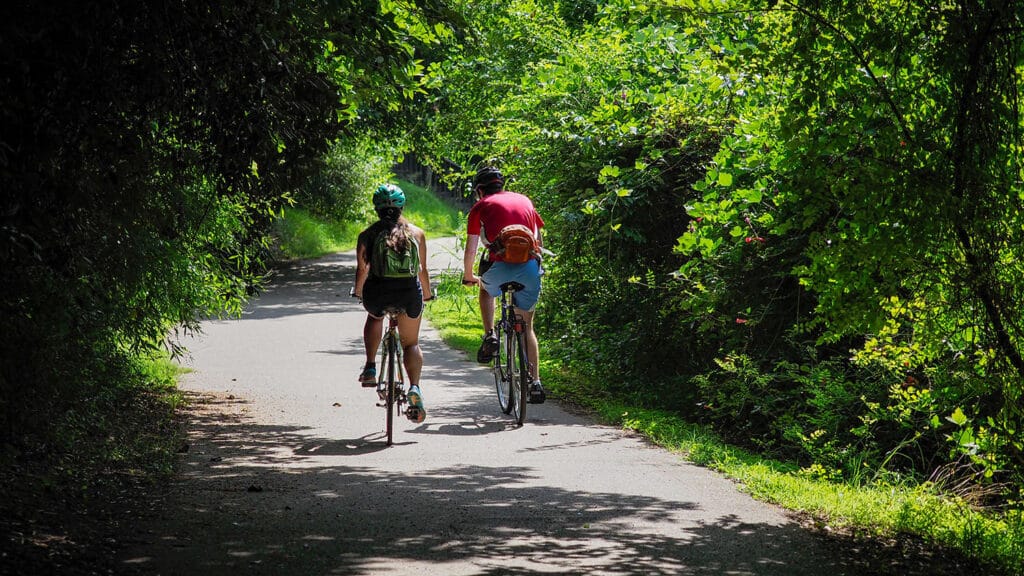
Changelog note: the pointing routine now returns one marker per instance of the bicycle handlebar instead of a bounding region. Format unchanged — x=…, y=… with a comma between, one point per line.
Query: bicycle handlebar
x=352, y=293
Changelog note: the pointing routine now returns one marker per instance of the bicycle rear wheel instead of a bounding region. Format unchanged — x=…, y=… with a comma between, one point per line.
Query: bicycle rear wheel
x=390, y=393
x=519, y=377
x=500, y=369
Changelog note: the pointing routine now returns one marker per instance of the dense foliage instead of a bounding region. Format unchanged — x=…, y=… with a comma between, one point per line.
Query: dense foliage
x=797, y=221
x=888, y=155
x=146, y=148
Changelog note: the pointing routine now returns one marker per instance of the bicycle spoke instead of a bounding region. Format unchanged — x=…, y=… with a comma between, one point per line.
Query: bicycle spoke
x=500, y=371
x=522, y=378
x=391, y=389
x=514, y=376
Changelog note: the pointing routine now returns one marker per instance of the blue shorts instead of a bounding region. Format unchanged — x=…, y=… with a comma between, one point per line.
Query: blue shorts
x=527, y=274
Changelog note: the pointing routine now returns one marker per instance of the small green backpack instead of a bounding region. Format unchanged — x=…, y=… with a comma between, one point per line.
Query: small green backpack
x=388, y=263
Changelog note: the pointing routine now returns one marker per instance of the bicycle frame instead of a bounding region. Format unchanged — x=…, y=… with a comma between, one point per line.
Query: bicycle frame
x=511, y=365
x=391, y=379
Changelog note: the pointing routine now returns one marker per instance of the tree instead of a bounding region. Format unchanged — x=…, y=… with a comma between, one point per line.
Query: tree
x=891, y=152
x=147, y=146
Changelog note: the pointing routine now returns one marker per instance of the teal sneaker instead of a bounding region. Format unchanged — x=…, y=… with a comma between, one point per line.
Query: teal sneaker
x=369, y=377
x=416, y=412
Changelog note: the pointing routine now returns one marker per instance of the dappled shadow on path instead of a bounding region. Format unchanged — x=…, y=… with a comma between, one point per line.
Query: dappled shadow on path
x=285, y=500
x=276, y=500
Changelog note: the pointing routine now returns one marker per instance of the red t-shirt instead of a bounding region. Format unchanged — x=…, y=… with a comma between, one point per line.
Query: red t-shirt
x=493, y=212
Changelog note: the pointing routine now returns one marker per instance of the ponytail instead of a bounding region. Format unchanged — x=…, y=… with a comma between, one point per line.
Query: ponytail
x=395, y=225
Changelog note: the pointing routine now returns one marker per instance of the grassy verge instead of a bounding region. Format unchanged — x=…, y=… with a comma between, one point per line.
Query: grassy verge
x=300, y=234
x=68, y=488
x=119, y=423
x=874, y=511
x=427, y=211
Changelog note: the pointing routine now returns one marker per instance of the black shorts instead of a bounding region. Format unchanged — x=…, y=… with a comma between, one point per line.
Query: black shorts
x=381, y=293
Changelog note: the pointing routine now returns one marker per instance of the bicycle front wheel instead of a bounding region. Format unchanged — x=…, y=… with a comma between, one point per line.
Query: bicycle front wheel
x=519, y=377
x=500, y=367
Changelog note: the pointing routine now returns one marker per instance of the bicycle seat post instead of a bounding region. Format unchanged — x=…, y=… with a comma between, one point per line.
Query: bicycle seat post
x=392, y=314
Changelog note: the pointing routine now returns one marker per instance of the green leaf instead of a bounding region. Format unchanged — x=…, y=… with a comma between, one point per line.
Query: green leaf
x=748, y=195
x=958, y=417
x=724, y=179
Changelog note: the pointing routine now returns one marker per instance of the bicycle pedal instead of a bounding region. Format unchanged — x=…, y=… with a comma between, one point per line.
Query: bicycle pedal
x=416, y=415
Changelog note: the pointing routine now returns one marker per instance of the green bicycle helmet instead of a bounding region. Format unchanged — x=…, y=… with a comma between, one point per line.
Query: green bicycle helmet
x=388, y=196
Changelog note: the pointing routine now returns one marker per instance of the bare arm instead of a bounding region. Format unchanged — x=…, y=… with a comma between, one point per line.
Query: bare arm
x=362, y=271
x=469, y=258
x=424, y=274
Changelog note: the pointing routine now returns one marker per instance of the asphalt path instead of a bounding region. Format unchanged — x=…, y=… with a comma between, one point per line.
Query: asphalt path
x=287, y=472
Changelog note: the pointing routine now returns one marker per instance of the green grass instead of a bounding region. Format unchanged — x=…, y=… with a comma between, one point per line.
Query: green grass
x=455, y=313
x=300, y=234
x=427, y=211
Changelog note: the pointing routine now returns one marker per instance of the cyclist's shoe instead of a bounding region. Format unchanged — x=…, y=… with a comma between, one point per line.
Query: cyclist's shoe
x=369, y=377
x=416, y=412
x=487, y=350
x=537, y=395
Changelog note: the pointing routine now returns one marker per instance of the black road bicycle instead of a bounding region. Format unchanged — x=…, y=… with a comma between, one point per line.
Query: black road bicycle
x=391, y=378
x=511, y=365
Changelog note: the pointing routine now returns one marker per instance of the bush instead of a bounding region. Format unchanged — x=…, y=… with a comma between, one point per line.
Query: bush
x=351, y=170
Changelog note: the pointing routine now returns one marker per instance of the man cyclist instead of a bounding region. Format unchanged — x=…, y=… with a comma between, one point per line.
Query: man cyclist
x=377, y=291
x=495, y=209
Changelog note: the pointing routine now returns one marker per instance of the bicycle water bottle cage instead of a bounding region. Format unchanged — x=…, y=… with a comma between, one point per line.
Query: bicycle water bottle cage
x=512, y=287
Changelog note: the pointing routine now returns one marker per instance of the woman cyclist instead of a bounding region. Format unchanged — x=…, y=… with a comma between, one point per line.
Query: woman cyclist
x=380, y=286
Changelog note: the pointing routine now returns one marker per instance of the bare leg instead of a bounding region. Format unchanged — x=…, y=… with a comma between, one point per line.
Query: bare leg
x=373, y=330
x=487, y=310
x=532, y=348
x=409, y=330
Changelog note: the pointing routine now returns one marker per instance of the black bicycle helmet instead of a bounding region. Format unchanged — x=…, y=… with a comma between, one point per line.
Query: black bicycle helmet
x=487, y=177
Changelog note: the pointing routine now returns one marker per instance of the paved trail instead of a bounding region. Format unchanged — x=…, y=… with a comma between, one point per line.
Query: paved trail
x=287, y=472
